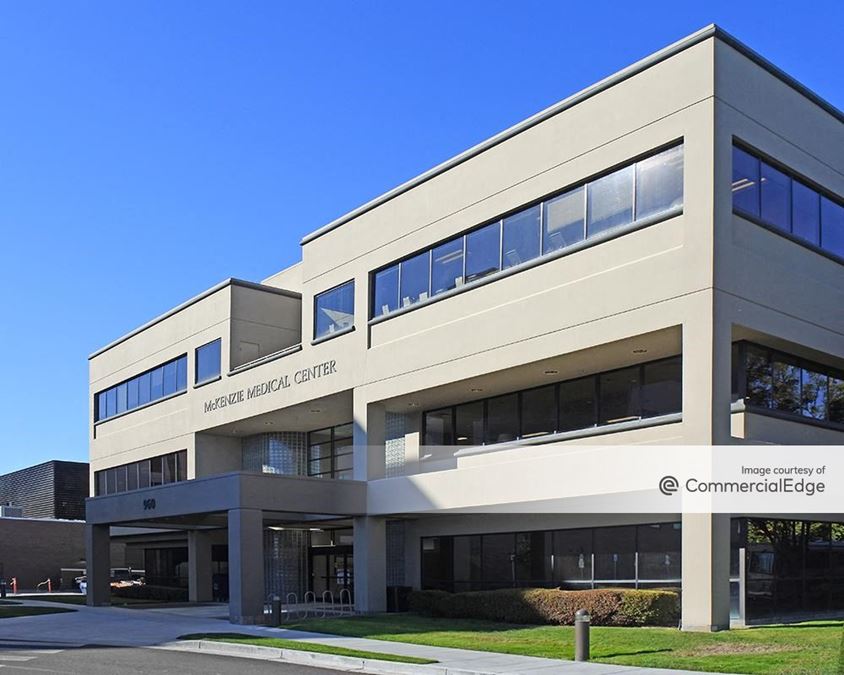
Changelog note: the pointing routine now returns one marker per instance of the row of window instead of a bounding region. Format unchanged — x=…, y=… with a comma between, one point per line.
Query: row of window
x=330, y=452
x=161, y=470
x=770, y=379
x=583, y=558
x=640, y=190
x=784, y=201
x=159, y=382
x=632, y=393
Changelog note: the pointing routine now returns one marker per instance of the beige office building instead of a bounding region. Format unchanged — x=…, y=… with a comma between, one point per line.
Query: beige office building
x=654, y=260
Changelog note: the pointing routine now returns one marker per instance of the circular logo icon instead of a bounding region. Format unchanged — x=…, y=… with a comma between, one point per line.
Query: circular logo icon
x=668, y=485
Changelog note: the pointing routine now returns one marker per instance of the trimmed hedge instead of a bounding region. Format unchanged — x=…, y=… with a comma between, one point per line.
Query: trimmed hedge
x=607, y=606
x=145, y=592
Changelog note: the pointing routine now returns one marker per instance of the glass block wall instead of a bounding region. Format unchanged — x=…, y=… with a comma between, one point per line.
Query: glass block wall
x=282, y=452
x=286, y=563
x=395, y=429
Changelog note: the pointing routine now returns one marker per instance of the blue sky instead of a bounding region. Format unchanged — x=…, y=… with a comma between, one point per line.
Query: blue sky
x=150, y=149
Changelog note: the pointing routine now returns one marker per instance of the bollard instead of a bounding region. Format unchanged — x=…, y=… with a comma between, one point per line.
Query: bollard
x=276, y=611
x=2, y=588
x=581, y=635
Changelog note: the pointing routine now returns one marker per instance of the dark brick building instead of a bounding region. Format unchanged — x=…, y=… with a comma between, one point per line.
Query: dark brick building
x=54, y=489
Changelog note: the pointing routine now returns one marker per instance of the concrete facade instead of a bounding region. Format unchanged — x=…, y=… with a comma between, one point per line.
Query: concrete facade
x=691, y=281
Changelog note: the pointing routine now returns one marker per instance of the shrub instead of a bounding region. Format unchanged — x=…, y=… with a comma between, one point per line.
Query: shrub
x=146, y=592
x=607, y=606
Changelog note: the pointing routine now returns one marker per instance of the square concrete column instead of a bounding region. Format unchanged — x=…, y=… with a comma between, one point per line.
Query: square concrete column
x=98, y=564
x=369, y=458
x=370, y=555
x=246, y=566
x=706, y=572
x=199, y=566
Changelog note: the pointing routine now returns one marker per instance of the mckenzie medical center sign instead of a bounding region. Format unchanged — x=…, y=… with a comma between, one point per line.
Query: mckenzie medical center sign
x=269, y=386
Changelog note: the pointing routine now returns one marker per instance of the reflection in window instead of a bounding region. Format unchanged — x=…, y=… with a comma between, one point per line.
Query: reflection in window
x=662, y=388
x=806, y=213
x=161, y=470
x=386, y=294
x=659, y=183
x=539, y=411
x=334, y=310
x=469, y=423
x=483, y=248
x=502, y=419
x=414, y=279
x=832, y=226
x=520, y=240
x=208, y=361
x=619, y=396
x=331, y=452
x=745, y=182
x=610, y=201
x=814, y=387
x=577, y=404
x=439, y=427
x=785, y=386
x=447, y=266
x=563, y=221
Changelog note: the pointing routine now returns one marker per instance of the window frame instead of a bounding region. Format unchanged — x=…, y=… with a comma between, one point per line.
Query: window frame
x=316, y=339
x=196, y=381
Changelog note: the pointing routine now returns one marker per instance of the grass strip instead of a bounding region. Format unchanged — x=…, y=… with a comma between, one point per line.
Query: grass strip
x=813, y=647
x=318, y=648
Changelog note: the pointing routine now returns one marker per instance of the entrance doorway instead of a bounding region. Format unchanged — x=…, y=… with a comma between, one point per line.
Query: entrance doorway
x=332, y=569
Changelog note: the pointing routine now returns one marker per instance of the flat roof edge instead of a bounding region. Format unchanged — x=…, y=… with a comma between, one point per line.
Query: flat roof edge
x=192, y=301
x=681, y=45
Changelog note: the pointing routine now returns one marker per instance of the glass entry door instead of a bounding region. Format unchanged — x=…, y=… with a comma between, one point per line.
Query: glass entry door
x=332, y=569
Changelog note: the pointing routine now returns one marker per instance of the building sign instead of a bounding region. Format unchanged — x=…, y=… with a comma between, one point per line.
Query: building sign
x=270, y=386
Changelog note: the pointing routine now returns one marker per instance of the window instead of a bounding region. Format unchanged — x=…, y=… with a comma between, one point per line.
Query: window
x=776, y=381
x=610, y=201
x=745, y=182
x=414, y=279
x=649, y=390
x=659, y=183
x=334, y=310
x=386, y=293
x=539, y=411
x=541, y=229
x=806, y=213
x=563, y=222
x=447, y=266
x=169, y=468
x=776, y=197
x=483, y=248
x=782, y=200
x=165, y=380
x=208, y=361
x=330, y=452
x=520, y=241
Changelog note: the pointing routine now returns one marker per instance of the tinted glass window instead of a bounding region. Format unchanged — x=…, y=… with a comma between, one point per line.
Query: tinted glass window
x=573, y=556
x=334, y=310
x=832, y=226
x=414, y=279
x=806, y=212
x=577, y=404
x=563, y=221
x=502, y=418
x=144, y=389
x=102, y=409
x=620, y=395
x=156, y=384
x=208, y=361
x=759, y=383
x=132, y=394
x=101, y=483
x=111, y=481
x=122, y=396
x=615, y=549
x=121, y=478
x=659, y=183
x=659, y=551
x=111, y=401
x=813, y=392
x=156, y=471
x=520, y=239
x=386, y=296
x=745, y=182
x=498, y=560
x=470, y=423
x=169, y=468
x=539, y=411
x=182, y=373
x=169, y=378
x=836, y=400
x=483, y=250
x=776, y=197
x=143, y=473
x=662, y=390
x=785, y=385
x=467, y=563
x=610, y=201
x=447, y=266
x=439, y=427
x=132, y=476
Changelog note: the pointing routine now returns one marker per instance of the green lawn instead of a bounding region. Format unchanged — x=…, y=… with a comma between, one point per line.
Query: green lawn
x=279, y=643
x=812, y=647
x=7, y=612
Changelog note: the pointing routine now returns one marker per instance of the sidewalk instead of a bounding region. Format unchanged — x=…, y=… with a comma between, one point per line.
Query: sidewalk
x=161, y=628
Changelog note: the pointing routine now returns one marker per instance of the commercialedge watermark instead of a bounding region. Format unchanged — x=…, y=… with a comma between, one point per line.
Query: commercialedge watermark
x=669, y=485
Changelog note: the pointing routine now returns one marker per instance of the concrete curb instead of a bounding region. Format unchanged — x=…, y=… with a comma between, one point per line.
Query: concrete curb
x=304, y=658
